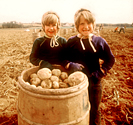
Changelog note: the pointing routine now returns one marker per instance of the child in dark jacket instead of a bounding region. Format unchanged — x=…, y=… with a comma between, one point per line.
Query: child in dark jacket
x=83, y=53
x=48, y=50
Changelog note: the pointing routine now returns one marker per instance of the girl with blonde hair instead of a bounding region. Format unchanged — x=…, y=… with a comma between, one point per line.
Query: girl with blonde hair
x=83, y=52
x=48, y=50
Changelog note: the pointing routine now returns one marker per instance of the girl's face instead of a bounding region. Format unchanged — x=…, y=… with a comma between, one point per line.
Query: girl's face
x=51, y=30
x=85, y=28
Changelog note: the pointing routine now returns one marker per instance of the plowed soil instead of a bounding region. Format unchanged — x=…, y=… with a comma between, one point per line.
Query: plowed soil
x=117, y=100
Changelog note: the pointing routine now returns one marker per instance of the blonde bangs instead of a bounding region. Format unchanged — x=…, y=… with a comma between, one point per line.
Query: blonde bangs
x=50, y=18
x=87, y=15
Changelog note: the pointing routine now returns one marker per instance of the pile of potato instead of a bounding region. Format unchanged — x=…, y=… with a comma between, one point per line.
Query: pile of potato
x=54, y=79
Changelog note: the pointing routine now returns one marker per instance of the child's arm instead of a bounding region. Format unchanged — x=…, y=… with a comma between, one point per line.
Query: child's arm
x=34, y=56
x=107, y=56
x=34, y=53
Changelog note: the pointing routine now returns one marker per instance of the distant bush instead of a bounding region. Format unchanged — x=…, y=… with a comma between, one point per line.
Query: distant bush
x=12, y=24
x=115, y=25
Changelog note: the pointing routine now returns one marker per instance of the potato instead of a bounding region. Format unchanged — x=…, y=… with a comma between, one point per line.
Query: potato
x=39, y=87
x=27, y=83
x=54, y=78
x=33, y=86
x=44, y=73
x=60, y=80
x=64, y=75
x=72, y=83
x=34, y=75
x=63, y=85
x=56, y=72
x=35, y=81
x=75, y=78
x=65, y=81
x=47, y=84
x=55, y=85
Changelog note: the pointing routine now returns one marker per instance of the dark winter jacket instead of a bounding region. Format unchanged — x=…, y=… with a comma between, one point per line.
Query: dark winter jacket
x=88, y=57
x=42, y=50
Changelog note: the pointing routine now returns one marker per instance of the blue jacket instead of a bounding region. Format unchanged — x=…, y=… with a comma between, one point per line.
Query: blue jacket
x=87, y=57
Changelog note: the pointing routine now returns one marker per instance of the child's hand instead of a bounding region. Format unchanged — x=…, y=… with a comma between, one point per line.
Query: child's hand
x=45, y=64
x=102, y=70
x=75, y=67
x=98, y=74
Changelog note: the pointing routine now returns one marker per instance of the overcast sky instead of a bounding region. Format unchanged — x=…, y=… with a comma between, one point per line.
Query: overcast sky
x=28, y=11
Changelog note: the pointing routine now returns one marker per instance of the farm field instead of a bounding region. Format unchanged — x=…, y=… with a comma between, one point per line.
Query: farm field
x=117, y=100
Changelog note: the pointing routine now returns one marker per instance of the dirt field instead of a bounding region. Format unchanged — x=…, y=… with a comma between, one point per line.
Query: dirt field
x=117, y=101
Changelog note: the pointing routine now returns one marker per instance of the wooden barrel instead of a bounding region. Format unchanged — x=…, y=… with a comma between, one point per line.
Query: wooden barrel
x=38, y=106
